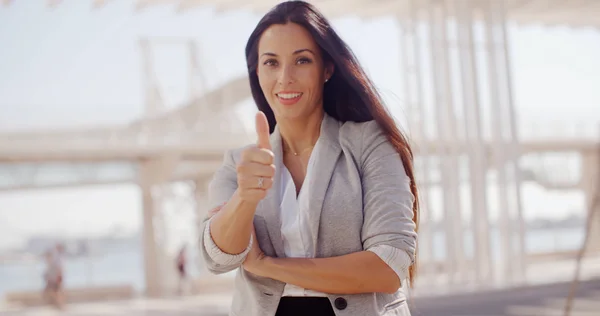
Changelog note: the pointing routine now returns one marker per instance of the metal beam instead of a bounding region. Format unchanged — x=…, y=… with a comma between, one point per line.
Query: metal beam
x=211, y=147
x=50, y=153
x=32, y=176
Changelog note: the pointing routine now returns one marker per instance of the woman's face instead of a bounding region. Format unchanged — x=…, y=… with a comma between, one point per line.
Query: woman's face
x=291, y=71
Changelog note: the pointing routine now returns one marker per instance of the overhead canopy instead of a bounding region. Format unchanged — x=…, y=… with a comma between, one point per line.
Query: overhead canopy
x=575, y=13
x=551, y=12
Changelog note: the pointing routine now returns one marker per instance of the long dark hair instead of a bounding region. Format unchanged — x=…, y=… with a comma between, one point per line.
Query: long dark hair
x=349, y=95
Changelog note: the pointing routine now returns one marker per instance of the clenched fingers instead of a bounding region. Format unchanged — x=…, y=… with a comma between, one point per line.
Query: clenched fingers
x=258, y=155
x=256, y=169
x=254, y=182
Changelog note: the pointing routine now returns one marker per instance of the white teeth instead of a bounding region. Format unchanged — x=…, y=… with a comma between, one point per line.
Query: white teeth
x=289, y=95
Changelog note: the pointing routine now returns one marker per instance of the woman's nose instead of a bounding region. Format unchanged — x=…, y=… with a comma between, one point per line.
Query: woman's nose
x=286, y=75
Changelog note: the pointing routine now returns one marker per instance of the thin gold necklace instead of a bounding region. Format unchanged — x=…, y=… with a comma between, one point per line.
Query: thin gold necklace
x=301, y=152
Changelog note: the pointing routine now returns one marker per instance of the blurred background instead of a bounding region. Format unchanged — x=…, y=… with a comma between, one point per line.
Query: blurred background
x=114, y=114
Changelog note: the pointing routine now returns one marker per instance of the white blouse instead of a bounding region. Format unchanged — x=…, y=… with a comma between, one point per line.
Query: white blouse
x=296, y=234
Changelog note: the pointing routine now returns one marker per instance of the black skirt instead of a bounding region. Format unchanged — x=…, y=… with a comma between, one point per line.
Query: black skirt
x=304, y=306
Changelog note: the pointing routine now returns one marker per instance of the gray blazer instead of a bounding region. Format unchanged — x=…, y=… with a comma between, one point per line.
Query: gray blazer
x=359, y=198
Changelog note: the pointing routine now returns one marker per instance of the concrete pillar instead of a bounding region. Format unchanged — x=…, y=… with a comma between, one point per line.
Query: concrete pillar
x=476, y=151
x=154, y=103
x=500, y=123
x=201, y=196
x=414, y=96
x=514, y=156
x=201, y=199
x=151, y=264
x=153, y=173
x=437, y=20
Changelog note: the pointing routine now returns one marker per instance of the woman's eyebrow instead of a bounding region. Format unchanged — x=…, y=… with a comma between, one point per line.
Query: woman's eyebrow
x=294, y=53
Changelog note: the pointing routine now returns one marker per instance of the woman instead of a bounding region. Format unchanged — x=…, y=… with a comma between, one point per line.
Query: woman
x=320, y=216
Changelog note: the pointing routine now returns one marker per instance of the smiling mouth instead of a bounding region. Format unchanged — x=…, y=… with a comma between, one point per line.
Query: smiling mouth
x=289, y=96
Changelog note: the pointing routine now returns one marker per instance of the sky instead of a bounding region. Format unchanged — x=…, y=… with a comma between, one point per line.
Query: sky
x=73, y=66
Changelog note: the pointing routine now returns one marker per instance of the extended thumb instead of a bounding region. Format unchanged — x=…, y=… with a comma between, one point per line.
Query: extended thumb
x=262, y=131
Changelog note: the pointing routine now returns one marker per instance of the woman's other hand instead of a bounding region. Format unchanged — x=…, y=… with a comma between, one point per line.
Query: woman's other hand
x=255, y=258
x=255, y=169
x=215, y=210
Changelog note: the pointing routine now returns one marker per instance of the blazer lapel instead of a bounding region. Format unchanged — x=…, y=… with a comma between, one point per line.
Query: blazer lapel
x=322, y=171
x=271, y=203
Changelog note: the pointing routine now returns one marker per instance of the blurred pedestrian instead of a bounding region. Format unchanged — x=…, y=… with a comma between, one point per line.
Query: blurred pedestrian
x=54, y=277
x=181, y=263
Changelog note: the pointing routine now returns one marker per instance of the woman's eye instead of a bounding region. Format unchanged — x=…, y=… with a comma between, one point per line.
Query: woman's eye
x=270, y=62
x=303, y=61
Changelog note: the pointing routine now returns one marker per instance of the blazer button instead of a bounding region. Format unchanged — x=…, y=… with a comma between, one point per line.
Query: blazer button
x=340, y=303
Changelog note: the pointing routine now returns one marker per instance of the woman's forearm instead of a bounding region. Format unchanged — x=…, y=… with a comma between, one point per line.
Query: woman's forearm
x=231, y=227
x=359, y=272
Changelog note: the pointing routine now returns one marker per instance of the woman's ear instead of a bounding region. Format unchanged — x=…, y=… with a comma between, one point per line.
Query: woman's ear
x=329, y=68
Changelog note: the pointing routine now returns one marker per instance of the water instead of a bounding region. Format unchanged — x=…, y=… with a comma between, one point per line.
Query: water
x=109, y=269
x=126, y=266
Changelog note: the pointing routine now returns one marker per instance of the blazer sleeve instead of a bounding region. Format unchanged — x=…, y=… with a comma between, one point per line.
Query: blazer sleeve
x=387, y=199
x=220, y=189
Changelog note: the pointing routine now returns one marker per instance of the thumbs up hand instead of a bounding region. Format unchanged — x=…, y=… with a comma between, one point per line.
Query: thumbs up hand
x=255, y=169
